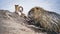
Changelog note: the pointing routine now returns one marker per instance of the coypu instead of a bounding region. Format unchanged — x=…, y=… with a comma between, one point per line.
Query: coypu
x=50, y=21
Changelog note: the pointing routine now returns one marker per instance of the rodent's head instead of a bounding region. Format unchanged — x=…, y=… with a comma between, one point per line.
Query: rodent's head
x=34, y=15
x=35, y=12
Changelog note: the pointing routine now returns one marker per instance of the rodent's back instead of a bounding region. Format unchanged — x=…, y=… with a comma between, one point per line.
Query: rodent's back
x=48, y=20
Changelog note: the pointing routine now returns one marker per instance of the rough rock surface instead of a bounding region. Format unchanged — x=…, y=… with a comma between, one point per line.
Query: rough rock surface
x=11, y=23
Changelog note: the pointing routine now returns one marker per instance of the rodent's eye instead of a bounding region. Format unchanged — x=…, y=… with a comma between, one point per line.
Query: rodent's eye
x=32, y=10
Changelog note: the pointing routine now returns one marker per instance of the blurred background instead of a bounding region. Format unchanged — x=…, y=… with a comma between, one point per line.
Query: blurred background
x=50, y=5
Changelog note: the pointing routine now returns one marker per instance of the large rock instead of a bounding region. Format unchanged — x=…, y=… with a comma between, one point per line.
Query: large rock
x=12, y=23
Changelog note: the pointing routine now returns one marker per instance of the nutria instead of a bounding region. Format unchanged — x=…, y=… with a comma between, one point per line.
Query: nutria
x=46, y=19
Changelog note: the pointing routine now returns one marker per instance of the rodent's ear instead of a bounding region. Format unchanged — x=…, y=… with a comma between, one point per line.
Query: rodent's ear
x=32, y=9
x=37, y=8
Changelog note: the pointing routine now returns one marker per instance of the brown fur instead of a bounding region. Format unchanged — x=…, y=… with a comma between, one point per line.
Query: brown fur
x=48, y=20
